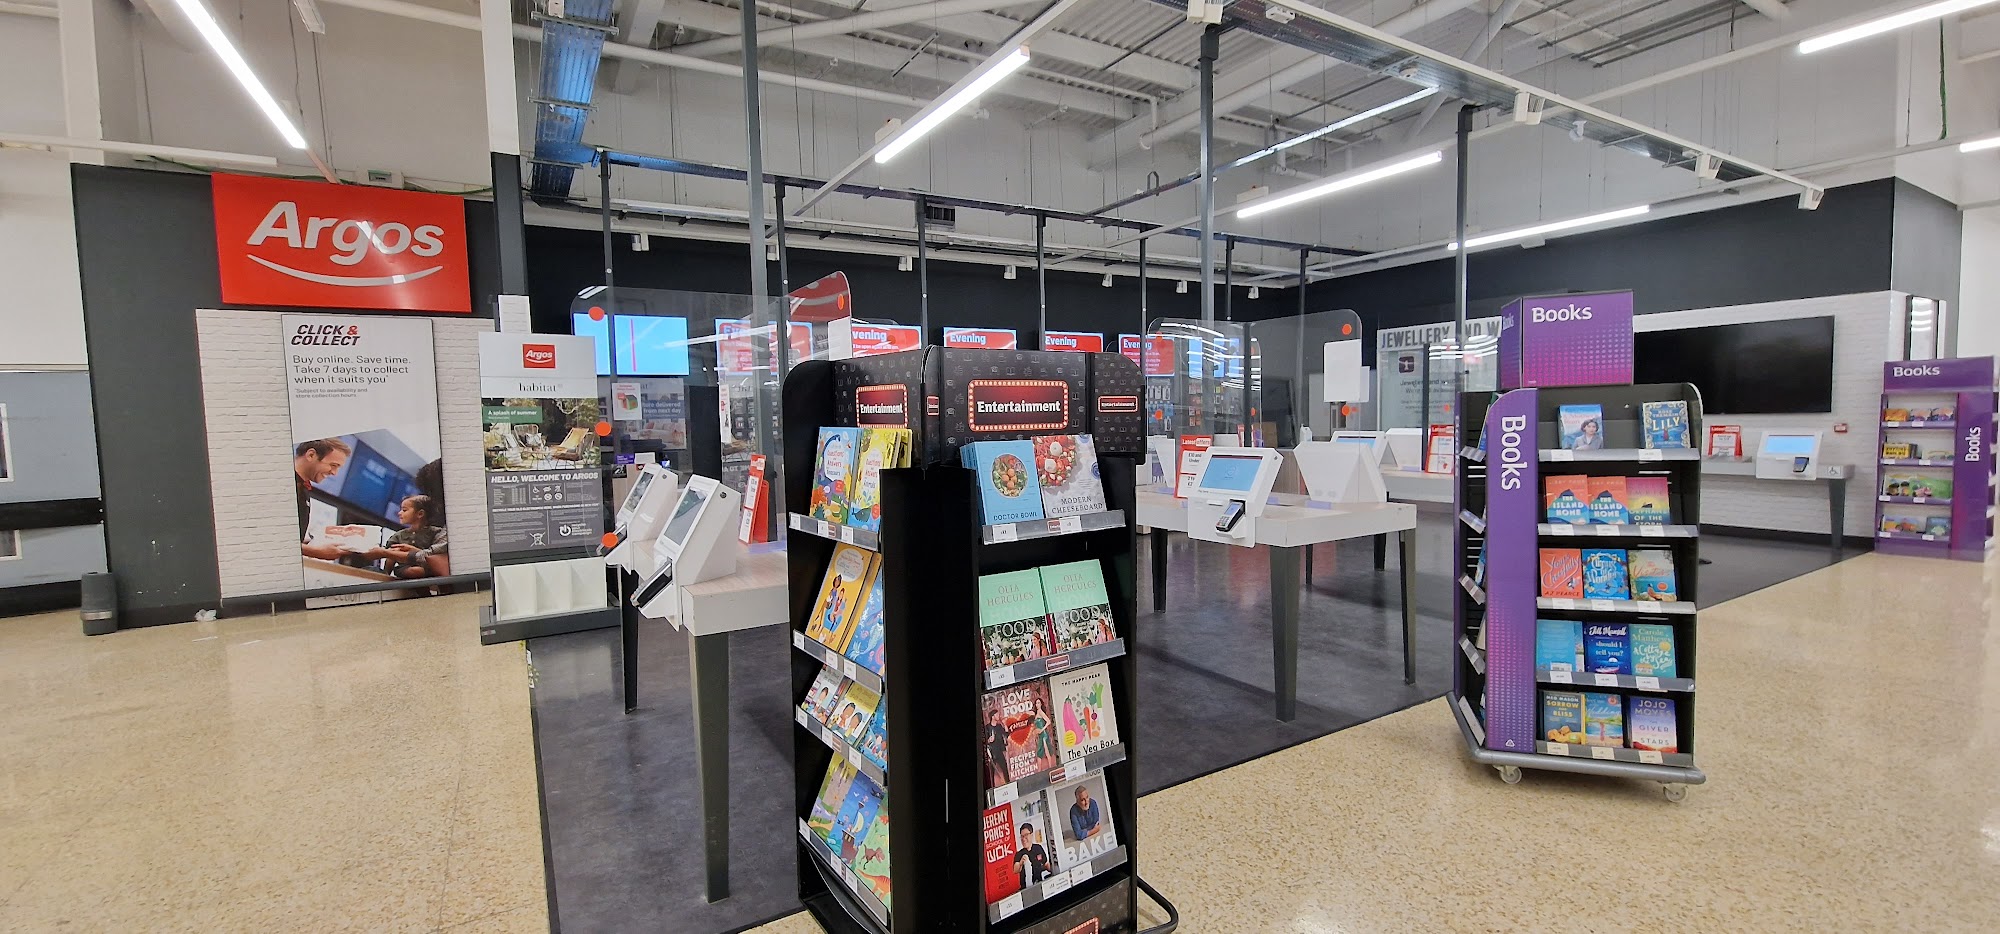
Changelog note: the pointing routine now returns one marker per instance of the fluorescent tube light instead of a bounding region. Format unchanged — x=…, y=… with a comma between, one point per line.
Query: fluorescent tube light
x=1991, y=142
x=1334, y=127
x=1549, y=228
x=1006, y=66
x=1889, y=23
x=204, y=23
x=1341, y=183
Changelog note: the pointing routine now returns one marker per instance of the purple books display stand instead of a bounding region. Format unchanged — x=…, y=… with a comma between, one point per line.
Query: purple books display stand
x=1945, y=410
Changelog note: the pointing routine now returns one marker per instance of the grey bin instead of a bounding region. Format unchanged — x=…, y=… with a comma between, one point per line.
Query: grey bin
x=100, y=604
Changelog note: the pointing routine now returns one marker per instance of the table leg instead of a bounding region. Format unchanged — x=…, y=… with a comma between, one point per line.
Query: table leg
x=708, y=664
x=1160, y=570
x=1836, y=510
x=628, y=639
x=1309, y=549
x=1285, y=630
x=1381, y=552
x=1409, y=560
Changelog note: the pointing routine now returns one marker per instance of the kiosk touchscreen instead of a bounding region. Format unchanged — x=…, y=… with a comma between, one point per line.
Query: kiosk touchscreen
x=1340, y=471
x=1378, y=443
x=640, y=514
x=1788, y=455
x=1231, y=486
x=697, y=543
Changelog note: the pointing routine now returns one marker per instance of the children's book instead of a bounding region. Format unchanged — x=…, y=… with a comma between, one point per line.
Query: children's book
x=1921, y=485
x=1654, y=725
x=1607, y=648
x=1013, y=620
x=872, y=863
x=1896, y=523
x=1008, y=490
x=1086, y=721
x=1567, y=499
x=833, y=790
x=839, y=605
x=1559, y=645
x=1603, y=720
x=853, y=711
x=1066, y=470
x=1653, y=651
x=1562, y=572
x=1081, y=811
x=851, y=822
x=821, y=696
x=1646, y=500
x=875, y=739
x=833, y=473
x=865, y=646
x=1607, y=501
x=1652, y=574
x=1037, y=856
x=997, y=834
x=1562, y=717
x=1937, y=525
x=1479, y=567
x=1582, y=427
x=880, y=449
x=1079, y=606
x=1898, y=450
x=1665, y=424
x=1604, y=574
x=1023, y=714
x=1895, y=415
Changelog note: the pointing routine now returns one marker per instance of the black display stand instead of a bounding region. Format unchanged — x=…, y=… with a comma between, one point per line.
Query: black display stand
x=933, y=549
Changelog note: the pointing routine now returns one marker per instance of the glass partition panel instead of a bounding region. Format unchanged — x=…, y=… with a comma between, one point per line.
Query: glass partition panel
x=1299, y=399
x=1202, y=380
x=1417, y=370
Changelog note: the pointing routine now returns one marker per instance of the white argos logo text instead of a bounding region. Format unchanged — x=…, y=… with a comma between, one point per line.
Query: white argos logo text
x=350, y=239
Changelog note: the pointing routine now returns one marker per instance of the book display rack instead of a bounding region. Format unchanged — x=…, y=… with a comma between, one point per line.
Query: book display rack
x=1934, y=479
x=928, y=836
x=1578, y=542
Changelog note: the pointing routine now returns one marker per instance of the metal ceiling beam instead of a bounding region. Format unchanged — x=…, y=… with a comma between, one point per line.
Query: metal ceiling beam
x=916, y=13
x=1478, y=47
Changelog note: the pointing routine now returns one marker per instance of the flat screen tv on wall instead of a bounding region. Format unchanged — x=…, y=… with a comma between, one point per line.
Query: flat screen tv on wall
x=1759, y=367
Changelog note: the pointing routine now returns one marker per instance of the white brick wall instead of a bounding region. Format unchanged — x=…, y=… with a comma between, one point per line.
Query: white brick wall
x=250, y=437
x=1863, y=338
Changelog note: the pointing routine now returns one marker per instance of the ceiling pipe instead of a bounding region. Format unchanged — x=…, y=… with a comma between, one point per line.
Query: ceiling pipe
x=882, y=19
x=51, y=143
x=28, y=9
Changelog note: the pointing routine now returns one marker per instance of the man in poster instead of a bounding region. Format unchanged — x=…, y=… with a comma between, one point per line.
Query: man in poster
x=312, y=463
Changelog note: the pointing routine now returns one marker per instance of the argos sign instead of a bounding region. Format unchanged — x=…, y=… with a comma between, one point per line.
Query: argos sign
x=311, y=244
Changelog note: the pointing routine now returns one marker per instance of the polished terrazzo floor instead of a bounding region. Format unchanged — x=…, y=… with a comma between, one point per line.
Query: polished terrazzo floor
x=361, y=769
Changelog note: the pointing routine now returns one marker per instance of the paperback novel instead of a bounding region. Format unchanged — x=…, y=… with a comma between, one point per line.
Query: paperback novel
x=1937, y=525
x=1021, y=732
x=839, y=604
x=881, y=449
x=1079, y=606
x=833, y=473
x=1081, y=810
x=1562, y=572
x=1604, y=574
x=851, y=822
x=853, y=711
x=1008, y=490
x=1607, y=501
x=1562, y=717
x=872, y=863
x=1567, y=499
x=1607, y=648
x=1646, y=499
x=1086, y=721
x=833, y=791
x=1653, y=651
x=1652, y=573
x=1654, y=725
x=1582, y=427
x=1665, y=424
x=865, y=646
x=997, y=834
x=1066, y=470
x=1013, y=620
x=1603, y=720
x=821, y=696
x=1559, y=645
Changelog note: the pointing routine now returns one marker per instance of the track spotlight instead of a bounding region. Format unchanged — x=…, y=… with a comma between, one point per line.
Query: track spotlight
x=1011, y=273
x=1180, y=287
x=1107, y=280
x=1253, y=291
x=641, y=243
x=905, y=263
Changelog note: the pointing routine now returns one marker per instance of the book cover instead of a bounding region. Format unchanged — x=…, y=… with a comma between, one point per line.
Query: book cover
x=851, y=713
x=1008, y=490
x=833, y=473
x=1567, y=500
x=1559, y=645
x=1562, y=717
x=1603, y=720
x=1898, y=450
x=879, y=450
x=1902, y=523
x=1937, y=525
x=1081, y=810
x=1896, y=415
x=1922, y=485
x=1607, y=648
x=821, y=696
x=833, y=791
x=1604, y=574
x=865, y=646
x=1066, y=470
x=872, y=863
x=1665, y=423
x=1725, y=441
x=1652, y=574
x=1013, y=620
x=875, y=738
x=1607, y=501
x=839, y=604
x=1562, y=572
x=1036, y=854
x=1479, y=566
x=1654, y=725
x=1582, y=427
x=1020, y=733
x=997, y=835
x=1086, y=721
x=850, y=823
x=1079, y=606
x=1653, y=651
x=1646, y=500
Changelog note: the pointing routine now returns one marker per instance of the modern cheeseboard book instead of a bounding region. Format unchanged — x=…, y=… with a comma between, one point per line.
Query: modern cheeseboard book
x=1021, y=733
x=1665, y=424
x=1607, y=501
x=1559, y=645
x=833, y=473
x=1653, y=651
x=1086, y=721
x=1066, y=470
x=1008, y=488
x=1567, y=500
x=1079, y=606
x=839, y=606
x=1013, y=620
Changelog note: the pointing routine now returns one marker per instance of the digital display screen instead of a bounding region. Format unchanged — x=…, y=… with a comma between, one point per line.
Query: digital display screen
x=1233, y=472
x=1367, y=441
x=1744, y=369
x=647, y=345
x=638, y=493
x=598, y=331
x=685, y=513
x=1789, y=445
x=375, y=484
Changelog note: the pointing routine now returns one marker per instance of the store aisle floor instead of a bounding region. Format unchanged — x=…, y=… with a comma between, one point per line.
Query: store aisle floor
x=1849, y=722
x=365, y=769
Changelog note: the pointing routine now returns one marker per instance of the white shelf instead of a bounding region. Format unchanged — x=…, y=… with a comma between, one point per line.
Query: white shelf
x=1046, y=528
x=1594, y=605
x=1473, y=454
x=1475, y=523
x=831, y=864
x=1095, y=762
x=1055, y=885
x=1618, y=531
x=1614, y=753
x=1037, y=667
x=1474, y=590
x=840, y=746
x=1473, y=655
x=1919, y=462
x=1642, y=455
x=838, y=662
x=1628, y=682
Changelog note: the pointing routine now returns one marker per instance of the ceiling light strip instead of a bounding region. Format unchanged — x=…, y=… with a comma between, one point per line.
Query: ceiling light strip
x=1341, y=183
x=1890, y=23
x=1334, y=127
x=1007, y=65
x=204, y=23
x=1539, y=230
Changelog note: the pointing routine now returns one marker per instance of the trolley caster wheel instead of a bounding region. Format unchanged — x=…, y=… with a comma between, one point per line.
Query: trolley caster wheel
x=1511, y=774
x=1675, y=793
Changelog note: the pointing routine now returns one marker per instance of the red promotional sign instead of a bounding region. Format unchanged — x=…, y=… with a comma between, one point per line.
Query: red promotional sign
x=871, y=339
x=823, y=299
x=538, y=356
x=980, y=338
x=1158, y=356
x=1077, y=341
x=736, y=352
x=311, y=244
x=755, y=526
x=1017, y=404
x=886, y=405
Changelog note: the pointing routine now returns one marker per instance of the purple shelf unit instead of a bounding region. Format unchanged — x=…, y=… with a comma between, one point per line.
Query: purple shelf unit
x=1513, y=510
x=1968, y=383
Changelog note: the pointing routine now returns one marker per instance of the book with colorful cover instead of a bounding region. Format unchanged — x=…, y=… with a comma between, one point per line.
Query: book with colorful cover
x=1603, y=719
x=1479, y=566
x=1937, y=525
x=1898, y=450
x=1037, y=856
x=833, y=791
x=997, y=836
x=1652, y=574
x=1562, y=572
x=1920, y=485
x=1654, y=725
x=1581, y=427
x=1081, y=810
x=1607, y=501
x=1066, y=470
x=1079, y=606
x=839, y=605
x=852, y=712
x=1895, y=415
x=1562, y=717
x=1024, y=713
x=1008, y=488
x=1607, y=648
x=871, y=865
x=1559, y=645
x=1604, y=574
x=820, y=698
x=1665, y=424
x=875, y=739
x=1086, y=721
x=1013, y=620
x=1646, y=500
x=865, y=647
x=880, y=449
x=1912, y=524
x=1567, y=500
x=833, y=473
x=1653, y=651
x=856, y=814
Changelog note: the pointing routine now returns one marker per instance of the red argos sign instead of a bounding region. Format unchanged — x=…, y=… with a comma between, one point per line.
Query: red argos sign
x=311, y=244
